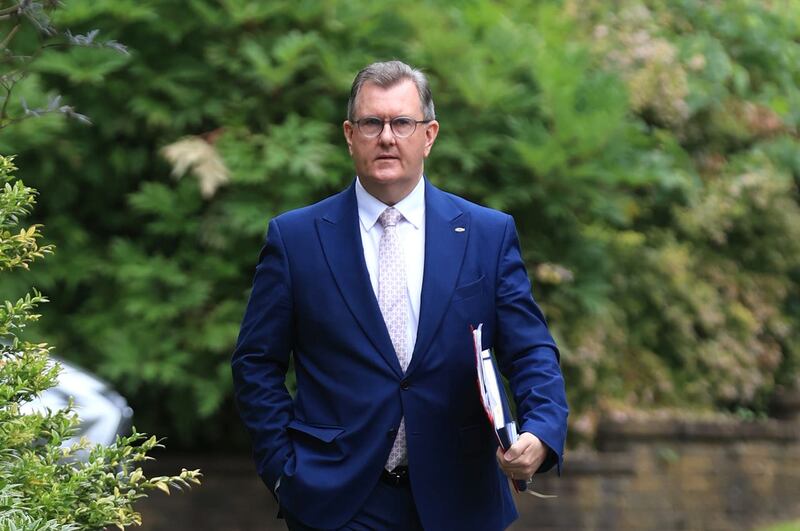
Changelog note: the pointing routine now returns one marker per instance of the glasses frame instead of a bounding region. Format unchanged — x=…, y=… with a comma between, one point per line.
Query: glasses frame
x=391, y=127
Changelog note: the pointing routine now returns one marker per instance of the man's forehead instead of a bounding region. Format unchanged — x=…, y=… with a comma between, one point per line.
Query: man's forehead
x=401, y=97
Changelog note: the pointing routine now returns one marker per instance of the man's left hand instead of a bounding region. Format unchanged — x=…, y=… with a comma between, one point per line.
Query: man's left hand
x=524, y=457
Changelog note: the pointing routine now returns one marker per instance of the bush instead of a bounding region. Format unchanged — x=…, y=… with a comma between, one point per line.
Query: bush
x=43, y=485
x=647, y=150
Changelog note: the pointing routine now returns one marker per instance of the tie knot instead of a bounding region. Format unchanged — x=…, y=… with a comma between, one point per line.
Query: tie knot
x=390, y=217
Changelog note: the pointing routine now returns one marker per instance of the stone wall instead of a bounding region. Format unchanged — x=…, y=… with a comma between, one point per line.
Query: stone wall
x=645, y=475
x=664, y=475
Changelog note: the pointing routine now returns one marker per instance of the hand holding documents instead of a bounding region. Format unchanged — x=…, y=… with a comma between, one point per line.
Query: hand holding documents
x=495, y=403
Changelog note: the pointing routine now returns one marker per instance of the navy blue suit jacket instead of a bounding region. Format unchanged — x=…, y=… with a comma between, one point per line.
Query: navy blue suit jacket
x=312, y=298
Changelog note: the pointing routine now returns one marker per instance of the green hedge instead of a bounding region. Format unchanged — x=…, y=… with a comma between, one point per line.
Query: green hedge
x=647, y=150
x=46, y=485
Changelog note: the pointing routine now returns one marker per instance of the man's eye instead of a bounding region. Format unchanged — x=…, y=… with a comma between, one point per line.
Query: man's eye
x=371, y=122
x=402, y=122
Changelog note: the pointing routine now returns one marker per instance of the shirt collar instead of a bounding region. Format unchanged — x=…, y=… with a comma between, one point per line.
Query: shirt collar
x=412, y=206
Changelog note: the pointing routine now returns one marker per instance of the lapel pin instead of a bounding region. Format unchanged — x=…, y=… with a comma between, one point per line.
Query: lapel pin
x=460, y=229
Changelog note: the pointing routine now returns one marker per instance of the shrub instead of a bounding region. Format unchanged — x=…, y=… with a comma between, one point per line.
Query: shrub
x=647, y=150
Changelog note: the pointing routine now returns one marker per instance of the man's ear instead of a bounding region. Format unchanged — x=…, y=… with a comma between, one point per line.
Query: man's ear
x=347, y=127
x=431, y=132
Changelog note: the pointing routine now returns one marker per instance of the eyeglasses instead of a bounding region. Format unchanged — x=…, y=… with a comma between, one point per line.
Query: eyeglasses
x=402, y=126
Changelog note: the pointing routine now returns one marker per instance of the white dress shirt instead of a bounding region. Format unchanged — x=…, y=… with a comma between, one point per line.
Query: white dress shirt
x=411, y=231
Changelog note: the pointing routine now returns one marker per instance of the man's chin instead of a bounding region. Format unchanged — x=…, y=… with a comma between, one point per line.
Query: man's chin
x=387, y=169
x=397, y=181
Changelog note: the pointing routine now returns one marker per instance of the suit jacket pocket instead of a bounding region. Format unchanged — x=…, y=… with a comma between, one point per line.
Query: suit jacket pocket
x=469, y=289
x=325, y=434
x=317, y=454
x=315, y=445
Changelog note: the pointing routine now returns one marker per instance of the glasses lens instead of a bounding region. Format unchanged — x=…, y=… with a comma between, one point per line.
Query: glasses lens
x=370, y=126
x=403, y=126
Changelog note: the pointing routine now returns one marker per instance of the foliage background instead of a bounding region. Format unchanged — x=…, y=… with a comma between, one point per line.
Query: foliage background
x=647, y=149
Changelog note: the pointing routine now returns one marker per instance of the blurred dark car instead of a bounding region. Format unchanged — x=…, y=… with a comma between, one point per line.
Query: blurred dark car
x=103, y=412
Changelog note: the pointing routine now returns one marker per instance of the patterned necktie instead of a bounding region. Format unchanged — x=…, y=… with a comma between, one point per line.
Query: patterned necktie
x=393, y=304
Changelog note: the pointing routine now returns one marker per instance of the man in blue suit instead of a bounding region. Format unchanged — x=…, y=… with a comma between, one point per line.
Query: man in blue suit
x=373, y=292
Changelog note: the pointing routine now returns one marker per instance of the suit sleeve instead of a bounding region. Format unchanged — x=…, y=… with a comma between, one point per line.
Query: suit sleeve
x=261, y=359
x=527, y=354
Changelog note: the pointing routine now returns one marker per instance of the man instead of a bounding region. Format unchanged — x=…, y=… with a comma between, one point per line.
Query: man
x=374, y=291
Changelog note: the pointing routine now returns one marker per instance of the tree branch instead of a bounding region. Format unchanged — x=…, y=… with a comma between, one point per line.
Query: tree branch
x=4, y=110
x=11, y=11
x=13, y=121
x=14, y=30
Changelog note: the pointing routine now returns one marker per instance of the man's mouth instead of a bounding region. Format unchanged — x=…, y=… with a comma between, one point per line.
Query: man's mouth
x=386, y=157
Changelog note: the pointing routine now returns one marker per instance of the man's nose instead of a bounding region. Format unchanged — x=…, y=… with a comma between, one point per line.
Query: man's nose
x=387, y=135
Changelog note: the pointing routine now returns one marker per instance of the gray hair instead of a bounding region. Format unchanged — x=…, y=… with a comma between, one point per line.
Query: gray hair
x=387, y=75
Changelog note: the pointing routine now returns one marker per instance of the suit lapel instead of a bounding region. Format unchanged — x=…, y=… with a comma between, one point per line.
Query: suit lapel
x=340, y=237
x=444, y=253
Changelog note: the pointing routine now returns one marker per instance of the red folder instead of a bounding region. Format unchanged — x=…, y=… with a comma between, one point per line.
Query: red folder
x=496, y=405
x=494, y=399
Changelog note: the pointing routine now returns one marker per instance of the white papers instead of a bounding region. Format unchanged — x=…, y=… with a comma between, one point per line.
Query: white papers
x=495, y=404
x=490, y=392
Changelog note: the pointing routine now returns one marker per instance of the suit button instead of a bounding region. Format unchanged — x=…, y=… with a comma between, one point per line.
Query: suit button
x=404, y=385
